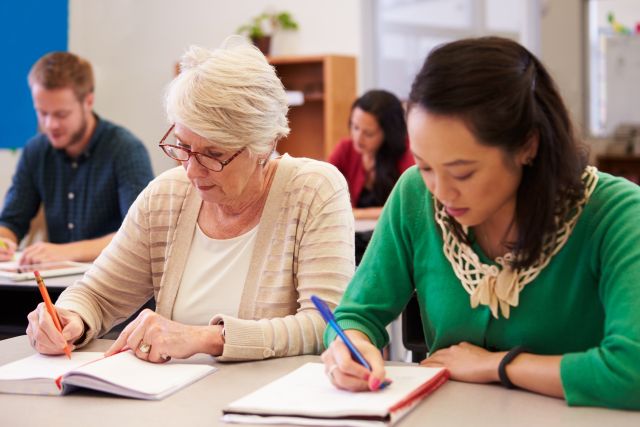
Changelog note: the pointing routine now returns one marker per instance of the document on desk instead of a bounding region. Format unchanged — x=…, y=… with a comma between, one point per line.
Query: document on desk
x=307, y=397
x=122, y=374
x=16, y=272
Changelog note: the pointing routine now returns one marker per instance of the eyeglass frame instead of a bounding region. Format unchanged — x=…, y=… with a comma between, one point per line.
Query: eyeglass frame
x=190, y=153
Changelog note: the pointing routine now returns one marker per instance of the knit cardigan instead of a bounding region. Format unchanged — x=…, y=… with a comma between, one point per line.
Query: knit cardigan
x=304, y=247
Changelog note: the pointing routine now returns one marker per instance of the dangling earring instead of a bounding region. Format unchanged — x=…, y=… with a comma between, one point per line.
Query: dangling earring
x=262, y=162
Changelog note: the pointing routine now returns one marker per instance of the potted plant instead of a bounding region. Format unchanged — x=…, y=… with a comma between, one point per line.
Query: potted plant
x=263, y=26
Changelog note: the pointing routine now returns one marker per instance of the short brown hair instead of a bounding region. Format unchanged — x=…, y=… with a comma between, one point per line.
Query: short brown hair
x=57, y=70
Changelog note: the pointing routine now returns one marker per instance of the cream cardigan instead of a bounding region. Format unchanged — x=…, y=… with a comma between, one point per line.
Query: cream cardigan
x=304, y=247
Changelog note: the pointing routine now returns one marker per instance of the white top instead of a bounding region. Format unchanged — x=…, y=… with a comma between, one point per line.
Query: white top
x=213, y=277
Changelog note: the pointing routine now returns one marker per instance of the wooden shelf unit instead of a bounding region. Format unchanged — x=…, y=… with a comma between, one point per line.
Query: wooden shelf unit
x=328, y=83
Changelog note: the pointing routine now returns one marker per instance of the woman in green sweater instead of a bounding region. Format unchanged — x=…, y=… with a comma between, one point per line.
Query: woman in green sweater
x=525, y=260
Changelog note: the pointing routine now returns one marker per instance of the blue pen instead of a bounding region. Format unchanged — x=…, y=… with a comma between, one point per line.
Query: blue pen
x=325, y=311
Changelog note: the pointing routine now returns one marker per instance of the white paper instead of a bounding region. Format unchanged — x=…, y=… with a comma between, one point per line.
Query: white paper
x=125, y=374
x=49, y=367
x=122, y=374
x=308, y=392
x=295, y=97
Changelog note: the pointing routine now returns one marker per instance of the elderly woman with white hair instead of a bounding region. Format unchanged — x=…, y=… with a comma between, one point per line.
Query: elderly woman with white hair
x=232, y=244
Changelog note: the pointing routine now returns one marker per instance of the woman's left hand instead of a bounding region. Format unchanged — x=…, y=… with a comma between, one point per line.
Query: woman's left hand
x=157, y=339
x=467, y=362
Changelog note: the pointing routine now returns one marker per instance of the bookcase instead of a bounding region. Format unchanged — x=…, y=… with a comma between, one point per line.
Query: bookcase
x=328, y=86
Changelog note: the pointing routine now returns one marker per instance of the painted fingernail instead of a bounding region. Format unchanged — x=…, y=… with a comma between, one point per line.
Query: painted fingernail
x=366, y=376
x=374, y=383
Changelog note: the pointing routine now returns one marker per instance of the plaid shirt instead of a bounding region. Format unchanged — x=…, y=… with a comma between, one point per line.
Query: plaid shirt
x=84, y=198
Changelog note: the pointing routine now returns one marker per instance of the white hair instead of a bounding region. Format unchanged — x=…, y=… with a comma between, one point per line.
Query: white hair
x=230, y=96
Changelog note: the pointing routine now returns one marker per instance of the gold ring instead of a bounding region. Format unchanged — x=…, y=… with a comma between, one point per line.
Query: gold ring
x=144, y=347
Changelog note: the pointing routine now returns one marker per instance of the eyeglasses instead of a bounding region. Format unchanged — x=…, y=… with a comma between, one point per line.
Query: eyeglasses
x=183, y=154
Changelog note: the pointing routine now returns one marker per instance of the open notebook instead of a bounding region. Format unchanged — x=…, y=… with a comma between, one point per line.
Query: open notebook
x=122, y=374
x=306, y=397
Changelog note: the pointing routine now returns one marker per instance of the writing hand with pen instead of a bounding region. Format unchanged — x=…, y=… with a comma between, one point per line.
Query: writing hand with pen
x=351, y=362
x=7, y=249
x=53, y=330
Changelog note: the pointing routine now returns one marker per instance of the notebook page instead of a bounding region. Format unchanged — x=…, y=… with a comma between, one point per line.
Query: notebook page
x=301, y=421
x=308, y=391
x=124, y=371
x=41, y=366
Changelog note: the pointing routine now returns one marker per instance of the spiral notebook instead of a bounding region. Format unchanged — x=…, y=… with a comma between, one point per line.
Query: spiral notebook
x=306, y=397
x=122, y=374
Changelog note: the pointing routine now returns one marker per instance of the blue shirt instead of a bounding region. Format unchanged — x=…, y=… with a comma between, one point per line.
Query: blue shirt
x=84, y=198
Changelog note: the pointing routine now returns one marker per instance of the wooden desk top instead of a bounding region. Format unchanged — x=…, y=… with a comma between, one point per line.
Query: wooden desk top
x=454, y=404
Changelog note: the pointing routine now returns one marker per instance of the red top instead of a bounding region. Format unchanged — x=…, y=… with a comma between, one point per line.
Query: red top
x=349, y=162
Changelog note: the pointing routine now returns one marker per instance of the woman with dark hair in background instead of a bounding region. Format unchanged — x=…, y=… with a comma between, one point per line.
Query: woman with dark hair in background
x=376, y=154
x=525, y=261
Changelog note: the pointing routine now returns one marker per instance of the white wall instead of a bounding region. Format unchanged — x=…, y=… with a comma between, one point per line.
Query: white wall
x=135, y=44
x=562, y=51
x=9, y=161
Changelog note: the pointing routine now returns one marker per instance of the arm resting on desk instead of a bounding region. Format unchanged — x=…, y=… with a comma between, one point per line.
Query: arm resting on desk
x=470, y=363
x=81, y=251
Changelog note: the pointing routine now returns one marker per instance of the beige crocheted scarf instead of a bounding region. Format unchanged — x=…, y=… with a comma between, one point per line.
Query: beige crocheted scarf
x=495, y=286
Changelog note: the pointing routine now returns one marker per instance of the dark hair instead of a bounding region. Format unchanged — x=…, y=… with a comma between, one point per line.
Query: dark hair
x=388, y=111
x=505, y=96
x=57, y=70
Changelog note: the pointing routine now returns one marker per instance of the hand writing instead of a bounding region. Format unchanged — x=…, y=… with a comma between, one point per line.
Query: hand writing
x=44, y=336
x=7, y=249
x=346, y=373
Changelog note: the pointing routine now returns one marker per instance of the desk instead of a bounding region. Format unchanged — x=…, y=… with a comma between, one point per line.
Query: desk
x=454, y=404
x=17, y=299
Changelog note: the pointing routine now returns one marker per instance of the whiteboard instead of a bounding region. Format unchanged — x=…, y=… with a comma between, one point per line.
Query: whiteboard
x=620, y=101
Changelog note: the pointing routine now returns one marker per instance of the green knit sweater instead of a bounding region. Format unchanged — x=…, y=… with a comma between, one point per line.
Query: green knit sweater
x=584, y=305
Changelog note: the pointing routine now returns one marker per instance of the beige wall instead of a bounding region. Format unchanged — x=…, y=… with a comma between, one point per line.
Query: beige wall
x=135, y=44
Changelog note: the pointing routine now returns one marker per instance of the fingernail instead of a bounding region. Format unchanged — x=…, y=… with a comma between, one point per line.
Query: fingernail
x=367, y=376
x=374, y=383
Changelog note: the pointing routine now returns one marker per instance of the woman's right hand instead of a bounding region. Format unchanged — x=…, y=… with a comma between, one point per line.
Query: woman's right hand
x=7, y=249
x=345, y=373
x=45, y=337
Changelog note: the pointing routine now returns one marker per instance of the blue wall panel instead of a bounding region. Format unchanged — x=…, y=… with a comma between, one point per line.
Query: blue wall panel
x=28, y=29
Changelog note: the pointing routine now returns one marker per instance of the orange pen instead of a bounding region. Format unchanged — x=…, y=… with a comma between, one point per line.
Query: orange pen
x=51, y=309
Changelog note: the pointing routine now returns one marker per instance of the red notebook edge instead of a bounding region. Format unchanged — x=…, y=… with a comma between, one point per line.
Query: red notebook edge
x=421, y=392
